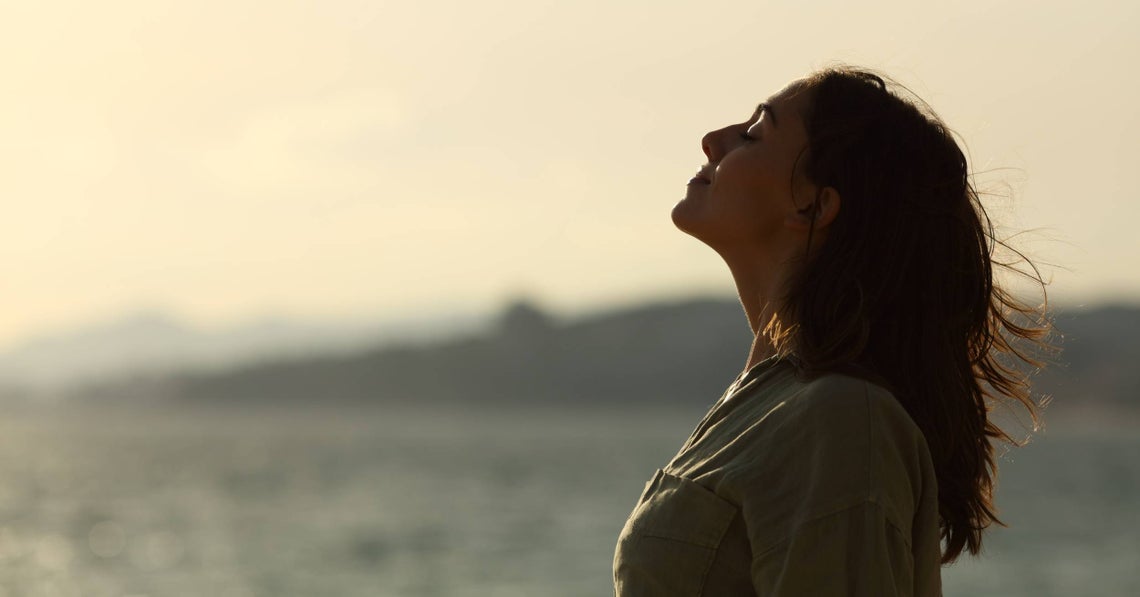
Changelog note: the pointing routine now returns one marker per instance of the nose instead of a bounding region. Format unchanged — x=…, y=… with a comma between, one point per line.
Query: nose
x=713, y=144
x=707, y=143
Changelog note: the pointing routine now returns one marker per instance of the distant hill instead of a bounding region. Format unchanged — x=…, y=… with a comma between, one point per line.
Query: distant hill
x=684, y=351
x=1100, y=359
x=155, y=342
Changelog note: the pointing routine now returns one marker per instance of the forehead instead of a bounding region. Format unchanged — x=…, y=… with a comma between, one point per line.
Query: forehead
x=791, y=102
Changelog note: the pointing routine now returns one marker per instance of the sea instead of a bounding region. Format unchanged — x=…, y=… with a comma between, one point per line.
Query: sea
x=432, y=501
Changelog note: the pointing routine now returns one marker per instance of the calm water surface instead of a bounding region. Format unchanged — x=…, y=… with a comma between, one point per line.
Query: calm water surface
x=447, y=503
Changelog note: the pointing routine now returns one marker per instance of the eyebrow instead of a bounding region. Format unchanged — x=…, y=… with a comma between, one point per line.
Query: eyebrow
x=766, y=107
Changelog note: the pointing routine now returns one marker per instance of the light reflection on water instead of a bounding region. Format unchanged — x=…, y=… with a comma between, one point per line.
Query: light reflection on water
x=507, y=503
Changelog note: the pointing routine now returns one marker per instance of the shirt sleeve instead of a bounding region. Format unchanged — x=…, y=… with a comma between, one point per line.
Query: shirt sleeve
x=854, y=552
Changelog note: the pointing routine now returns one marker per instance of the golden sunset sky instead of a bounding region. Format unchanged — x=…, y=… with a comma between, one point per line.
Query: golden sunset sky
x=223, y=160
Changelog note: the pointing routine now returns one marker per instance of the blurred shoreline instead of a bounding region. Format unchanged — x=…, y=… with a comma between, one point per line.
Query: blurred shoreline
x=679, y=355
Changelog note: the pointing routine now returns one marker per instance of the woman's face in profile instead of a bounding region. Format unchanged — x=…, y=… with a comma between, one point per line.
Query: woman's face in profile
x=742, y=198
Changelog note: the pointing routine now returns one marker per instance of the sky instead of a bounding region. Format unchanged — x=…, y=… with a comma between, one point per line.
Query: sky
x=225, y=161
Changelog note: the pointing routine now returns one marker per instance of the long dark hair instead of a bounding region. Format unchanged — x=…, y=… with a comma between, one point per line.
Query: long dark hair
x=903, y=286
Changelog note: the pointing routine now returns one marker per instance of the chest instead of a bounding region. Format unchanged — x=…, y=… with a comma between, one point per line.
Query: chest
x=675, y=534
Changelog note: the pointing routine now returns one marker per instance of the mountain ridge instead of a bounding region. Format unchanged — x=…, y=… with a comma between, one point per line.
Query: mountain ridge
x=681, y=351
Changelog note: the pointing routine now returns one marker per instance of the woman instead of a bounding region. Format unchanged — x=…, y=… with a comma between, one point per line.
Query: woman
x=857, y=440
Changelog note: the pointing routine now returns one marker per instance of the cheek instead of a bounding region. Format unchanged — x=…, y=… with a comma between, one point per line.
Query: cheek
x=750, y=170
x=748, y=189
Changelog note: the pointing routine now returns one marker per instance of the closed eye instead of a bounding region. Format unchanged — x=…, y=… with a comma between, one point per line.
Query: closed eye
x=760, y=111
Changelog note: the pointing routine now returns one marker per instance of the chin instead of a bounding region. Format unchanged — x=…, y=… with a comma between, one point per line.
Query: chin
x=684, y=217
x=687, y=218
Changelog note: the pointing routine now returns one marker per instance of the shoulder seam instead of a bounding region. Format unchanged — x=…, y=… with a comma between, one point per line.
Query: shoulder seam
x=861, y=503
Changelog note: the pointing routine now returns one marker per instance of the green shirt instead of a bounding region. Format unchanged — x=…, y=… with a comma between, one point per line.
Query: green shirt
x=789, y=488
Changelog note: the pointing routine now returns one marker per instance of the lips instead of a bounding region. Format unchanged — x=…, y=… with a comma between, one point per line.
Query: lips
x=700, y=178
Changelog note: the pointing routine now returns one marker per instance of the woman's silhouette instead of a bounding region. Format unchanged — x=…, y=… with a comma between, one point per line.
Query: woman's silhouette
x=855, y=453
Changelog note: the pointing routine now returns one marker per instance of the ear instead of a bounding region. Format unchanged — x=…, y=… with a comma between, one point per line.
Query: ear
x=823, y=210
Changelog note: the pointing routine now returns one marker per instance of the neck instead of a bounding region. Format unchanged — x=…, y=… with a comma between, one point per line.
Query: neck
x=759, y=289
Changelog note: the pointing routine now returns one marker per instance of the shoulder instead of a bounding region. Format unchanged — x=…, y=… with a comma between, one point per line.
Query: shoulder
x=839, y=439
x=846, y=419
x=833, y=443
x=835, y=401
